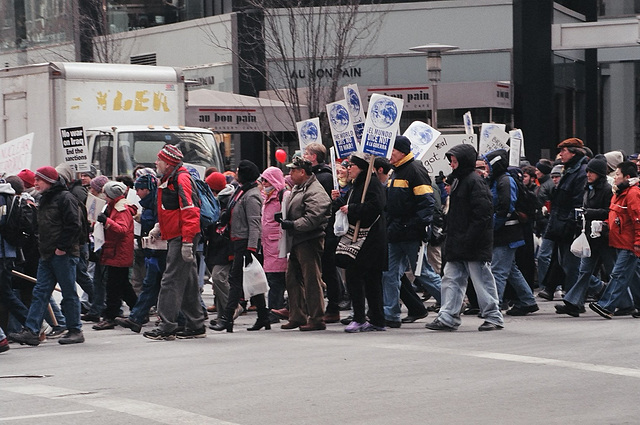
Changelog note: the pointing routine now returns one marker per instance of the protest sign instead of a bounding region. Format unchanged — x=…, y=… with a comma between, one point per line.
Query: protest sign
x=332, y=154
x=516, y=144
x=421, y=136
x=342, y=132
x=15, y=155
x=309, y=132
x=492, y=137
x=468, y=123
x=434, y=159
x=356, y=110
x=381, y=125
x=95, y=206
x=74, y=146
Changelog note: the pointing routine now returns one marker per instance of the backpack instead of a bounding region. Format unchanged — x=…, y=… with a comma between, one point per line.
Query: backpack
x=204, y=199
x=526, y=202
x=20, y=224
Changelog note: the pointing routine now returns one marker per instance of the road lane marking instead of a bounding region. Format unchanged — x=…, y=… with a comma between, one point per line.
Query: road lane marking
x=45, y=415
x=142, y=409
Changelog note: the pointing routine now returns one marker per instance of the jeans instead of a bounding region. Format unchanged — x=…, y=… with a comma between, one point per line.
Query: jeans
x=60, y=269
x=277, y=285
x=57, y=314
x=399, y=254
x=454, y=285
x=8, y=297
x=504, y=267
x=150, y=287
x=545, y=252
x=586, y=280
x=569, y=263
x=622, y=278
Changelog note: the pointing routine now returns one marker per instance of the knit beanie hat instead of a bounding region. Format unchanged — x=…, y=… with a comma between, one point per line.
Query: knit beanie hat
x=48, y=174
x=247, y=171
x=216, y=181
x=597, y=166
x=144, y=171
x=613, y=159
x=557, y=170
x=91, y=173
x=543, y=168
x=360, y=160
x=146, y=181
x=65, y=171
x=97, y=183
x=28, y=178
x=403, y=144
x=170, y=154
x=114, y=189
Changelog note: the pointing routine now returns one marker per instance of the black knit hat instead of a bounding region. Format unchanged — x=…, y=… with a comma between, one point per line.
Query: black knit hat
x=247, y=171
x=543, y=167
x=403, y=144
x=597, y=166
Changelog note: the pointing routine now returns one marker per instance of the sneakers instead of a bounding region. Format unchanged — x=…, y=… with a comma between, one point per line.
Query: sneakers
x=488, y=326
x=546, y=295
x=437, y=325
x=601, y=311
x=434, y=308
x=347, y=320
x=569, y=309
x=105, y=324
x=56, y=333
x=368, y=327
x=192, y=333
x=412, y=318
x=25, y=336
x=4, y=345
x=354, y=327
x=523, y=310
x=126, y=322
x=73, y=336
x=558, y=294
x=159, y=335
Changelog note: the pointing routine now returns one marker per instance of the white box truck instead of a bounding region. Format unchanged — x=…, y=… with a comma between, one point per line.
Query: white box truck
x=128, y=113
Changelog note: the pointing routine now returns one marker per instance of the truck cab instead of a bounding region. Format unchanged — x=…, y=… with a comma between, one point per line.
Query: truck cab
x=119, y=150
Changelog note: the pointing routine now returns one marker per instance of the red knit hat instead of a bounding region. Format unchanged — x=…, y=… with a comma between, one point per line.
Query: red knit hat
x=171, y=155
x=28, y=178
x=216, y=181
x=48, y=174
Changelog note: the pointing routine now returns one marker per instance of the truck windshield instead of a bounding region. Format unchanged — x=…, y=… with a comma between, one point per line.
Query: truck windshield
x=142, y=147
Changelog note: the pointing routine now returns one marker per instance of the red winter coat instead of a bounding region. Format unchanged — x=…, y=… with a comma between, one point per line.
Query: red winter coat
x=117, y=250
x=177, y=213
x=624, y=219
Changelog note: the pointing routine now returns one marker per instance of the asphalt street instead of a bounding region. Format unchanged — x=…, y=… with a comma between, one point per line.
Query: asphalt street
x=543, y=368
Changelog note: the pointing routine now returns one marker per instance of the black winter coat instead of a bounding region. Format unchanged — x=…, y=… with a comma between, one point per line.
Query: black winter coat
x=58, y=221
x=596, y=201
x=374, y=252
x=469, y=221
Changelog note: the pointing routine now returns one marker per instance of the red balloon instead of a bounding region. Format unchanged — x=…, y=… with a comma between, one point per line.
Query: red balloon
x=281, y=156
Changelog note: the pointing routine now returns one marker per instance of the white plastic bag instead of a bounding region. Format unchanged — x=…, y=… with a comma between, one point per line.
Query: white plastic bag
x=580, y=246
x=341, y=225
x=254, y=280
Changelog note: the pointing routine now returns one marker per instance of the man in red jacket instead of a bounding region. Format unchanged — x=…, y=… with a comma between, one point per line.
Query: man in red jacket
x=179, y=225
x=624, y=236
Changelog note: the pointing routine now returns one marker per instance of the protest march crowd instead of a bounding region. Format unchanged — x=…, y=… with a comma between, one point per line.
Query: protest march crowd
x=305, y=246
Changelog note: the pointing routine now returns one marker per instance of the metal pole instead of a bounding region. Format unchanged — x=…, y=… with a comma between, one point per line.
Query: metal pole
x=434, y=104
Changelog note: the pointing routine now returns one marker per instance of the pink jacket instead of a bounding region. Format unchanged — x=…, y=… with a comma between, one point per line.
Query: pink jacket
x=271, y=230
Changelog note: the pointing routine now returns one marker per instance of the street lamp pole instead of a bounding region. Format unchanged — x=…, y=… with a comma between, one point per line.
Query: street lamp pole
x=434, y=70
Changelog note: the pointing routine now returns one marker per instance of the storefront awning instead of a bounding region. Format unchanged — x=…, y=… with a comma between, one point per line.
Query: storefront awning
x=231, y=113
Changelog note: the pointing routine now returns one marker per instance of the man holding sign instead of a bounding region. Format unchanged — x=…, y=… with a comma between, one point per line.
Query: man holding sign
x=410, y=206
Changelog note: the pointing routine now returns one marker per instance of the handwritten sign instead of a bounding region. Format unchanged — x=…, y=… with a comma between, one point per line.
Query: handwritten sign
x=492, y=137
x=342, y=132
x=74, y=146
x=421, y=136
x=468, y=123
x=434, y=159
x=95, y=206
x=15, y=155
x=381, y=125
x=356, y=109
x=309, y=132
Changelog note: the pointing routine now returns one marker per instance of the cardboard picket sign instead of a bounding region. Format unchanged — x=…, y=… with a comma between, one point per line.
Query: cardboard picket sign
x=15, y=155
x=516, y=147
x=421, y=136
x=492, y=137
x=356, y=109
x=342, y=132
x=75, y=148
x=381, y=125
x=468, y=123
x=309, y=132
x=435, y=161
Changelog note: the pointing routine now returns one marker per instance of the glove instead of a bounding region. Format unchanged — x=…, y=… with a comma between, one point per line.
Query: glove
x=426, y=234
x=187, y=252
x=155, y=232
x=102, y=218
x=278, y=217
x=286, y=224
x=248, y=258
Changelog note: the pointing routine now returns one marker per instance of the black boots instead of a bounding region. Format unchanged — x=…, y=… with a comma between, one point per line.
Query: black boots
x=223, y=324
x=261, y=323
